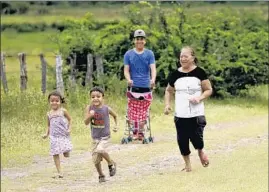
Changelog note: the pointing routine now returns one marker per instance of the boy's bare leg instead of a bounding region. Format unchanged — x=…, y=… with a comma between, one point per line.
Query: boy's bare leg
x=56, y=159
x=111, y=164
x=99, y=169
x=106, y=156
x=187, y=163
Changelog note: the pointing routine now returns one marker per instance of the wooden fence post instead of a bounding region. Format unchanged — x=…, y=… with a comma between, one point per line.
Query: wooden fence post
x=73, y=69
x=3, y=72
x=43, y=73
x=59, y=78
x=100, y=69
x=99, y=65
x=88, y=79
x=23, y=71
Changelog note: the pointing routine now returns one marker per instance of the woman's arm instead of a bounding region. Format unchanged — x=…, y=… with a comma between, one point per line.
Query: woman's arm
x=167, y=98
x=207, y=89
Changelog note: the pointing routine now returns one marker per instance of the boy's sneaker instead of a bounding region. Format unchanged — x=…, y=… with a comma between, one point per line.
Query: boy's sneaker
x=112, y=169
x=102, y=179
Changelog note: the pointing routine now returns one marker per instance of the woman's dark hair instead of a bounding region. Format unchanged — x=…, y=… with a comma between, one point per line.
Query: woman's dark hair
x=58, y=94
x=192, y=54
x=98, y=89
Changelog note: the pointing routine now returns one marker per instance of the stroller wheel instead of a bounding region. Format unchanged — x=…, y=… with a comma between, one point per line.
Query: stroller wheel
x=130, y=139
x=151, y=139
x=124, y=140
x=145, y=141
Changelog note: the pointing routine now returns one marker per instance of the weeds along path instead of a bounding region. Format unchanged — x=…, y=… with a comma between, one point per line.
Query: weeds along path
x=133, y=160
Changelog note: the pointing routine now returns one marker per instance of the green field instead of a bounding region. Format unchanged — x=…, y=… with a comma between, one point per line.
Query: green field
x=36, y=42
x=32, y=43
x=235, y=139
x=116, y=12
x=236, y=136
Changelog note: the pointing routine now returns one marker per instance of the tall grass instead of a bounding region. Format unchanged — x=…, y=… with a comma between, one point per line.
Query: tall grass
x=23, y=117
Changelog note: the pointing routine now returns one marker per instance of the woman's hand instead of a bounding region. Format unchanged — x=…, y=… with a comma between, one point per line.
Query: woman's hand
x=195, y=100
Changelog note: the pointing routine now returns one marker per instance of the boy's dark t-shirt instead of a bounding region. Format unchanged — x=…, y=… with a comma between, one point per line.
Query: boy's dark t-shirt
x=100, y=123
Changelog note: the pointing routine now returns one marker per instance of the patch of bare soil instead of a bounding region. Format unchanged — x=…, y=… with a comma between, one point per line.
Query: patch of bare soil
x=157, y=164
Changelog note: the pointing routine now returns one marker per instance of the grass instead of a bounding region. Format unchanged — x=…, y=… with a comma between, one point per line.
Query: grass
x=33, y=65
x=115, y=12
x=33, y=105
x=32, y=43
x=231, y=174
x=23, y=121
x=59, y=15
x=242, y=167
x=237, y=163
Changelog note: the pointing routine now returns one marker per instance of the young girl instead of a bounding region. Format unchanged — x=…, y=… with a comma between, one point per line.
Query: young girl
x=59, y=128
x=97, y=115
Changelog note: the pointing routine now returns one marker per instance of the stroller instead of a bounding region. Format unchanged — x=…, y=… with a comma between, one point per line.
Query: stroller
x=138, y=118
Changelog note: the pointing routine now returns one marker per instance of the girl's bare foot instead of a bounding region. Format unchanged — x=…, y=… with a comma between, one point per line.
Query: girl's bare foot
x=59, y=175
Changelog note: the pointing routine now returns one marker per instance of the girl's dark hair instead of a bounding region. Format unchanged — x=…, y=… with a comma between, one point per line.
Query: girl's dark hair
x=192, y=54
x=58, y=94
x=98, y=89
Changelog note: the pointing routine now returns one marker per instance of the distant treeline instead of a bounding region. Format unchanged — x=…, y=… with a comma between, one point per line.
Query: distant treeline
x=42, y=7
x=42, y=26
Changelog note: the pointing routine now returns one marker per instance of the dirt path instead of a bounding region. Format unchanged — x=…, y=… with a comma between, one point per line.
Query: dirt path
x=134, y=160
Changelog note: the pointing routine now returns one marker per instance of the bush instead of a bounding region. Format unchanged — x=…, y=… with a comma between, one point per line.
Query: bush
x=232, y=46
x=14, y=7
x=42, y=11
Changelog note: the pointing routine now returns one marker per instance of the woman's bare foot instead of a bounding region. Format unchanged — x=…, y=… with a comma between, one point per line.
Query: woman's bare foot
x=187, y=163
x=187, y=169
x=203, y=158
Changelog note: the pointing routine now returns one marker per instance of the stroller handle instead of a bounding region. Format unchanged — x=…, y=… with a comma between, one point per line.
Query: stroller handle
x=151, y=89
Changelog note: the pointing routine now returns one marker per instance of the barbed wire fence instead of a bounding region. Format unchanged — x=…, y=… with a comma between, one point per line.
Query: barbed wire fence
x=24, y=75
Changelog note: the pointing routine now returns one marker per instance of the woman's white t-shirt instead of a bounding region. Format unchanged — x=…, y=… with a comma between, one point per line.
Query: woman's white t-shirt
x=187, y=85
